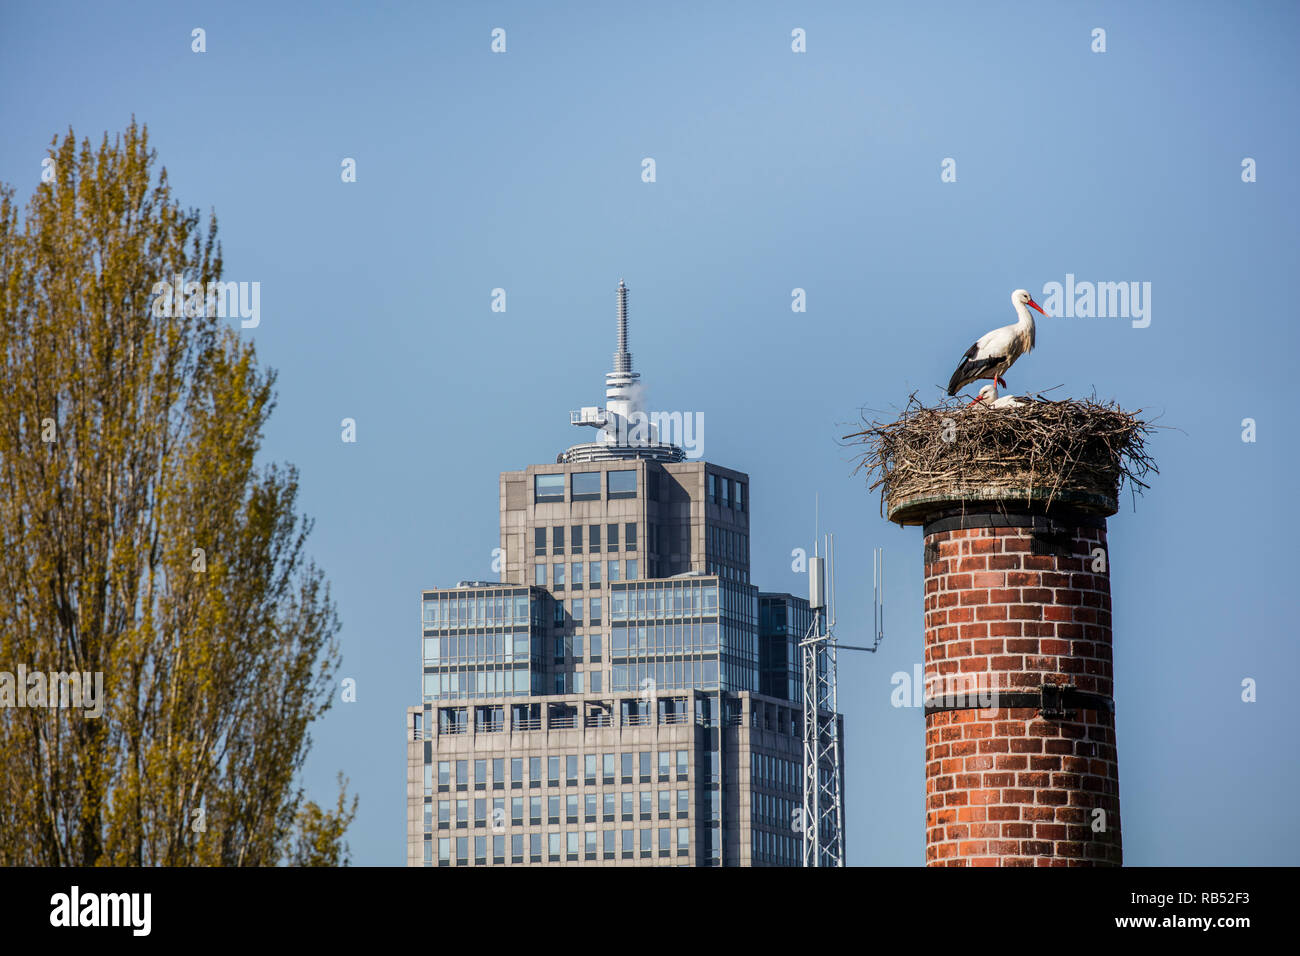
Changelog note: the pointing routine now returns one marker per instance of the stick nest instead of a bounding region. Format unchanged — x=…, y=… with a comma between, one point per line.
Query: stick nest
x=1044, y=450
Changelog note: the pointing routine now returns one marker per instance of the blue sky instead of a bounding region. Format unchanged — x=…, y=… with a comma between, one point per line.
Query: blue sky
x=775, y=170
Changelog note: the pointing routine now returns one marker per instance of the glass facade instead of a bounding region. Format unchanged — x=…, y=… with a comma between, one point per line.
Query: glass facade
x=783, y=622
x=483, y=642
x=699, y=633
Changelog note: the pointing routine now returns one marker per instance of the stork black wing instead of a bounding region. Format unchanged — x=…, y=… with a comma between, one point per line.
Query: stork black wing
x=970, y=369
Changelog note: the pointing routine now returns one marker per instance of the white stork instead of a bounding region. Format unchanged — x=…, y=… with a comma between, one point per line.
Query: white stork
x=988, y=397
x=997, y=351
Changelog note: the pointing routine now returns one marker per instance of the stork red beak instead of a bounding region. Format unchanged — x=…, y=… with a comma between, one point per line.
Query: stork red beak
x=974, y=403
x=1035, y=305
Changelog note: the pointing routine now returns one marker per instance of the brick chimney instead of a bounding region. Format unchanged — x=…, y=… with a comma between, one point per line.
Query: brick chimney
x=1020, y=755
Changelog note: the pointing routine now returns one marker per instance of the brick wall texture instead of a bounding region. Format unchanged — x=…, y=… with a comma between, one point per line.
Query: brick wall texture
x=1006, y=786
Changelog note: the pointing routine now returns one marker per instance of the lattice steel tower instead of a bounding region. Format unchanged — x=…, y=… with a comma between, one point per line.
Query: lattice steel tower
x=823, y=817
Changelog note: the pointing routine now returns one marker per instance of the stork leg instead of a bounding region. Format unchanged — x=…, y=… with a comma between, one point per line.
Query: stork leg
x=1000, y=380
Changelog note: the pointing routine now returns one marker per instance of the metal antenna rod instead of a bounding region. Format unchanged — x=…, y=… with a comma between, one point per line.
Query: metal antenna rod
x=622, y=357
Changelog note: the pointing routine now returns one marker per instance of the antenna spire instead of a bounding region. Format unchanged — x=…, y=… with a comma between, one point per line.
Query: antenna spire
x=622, y=357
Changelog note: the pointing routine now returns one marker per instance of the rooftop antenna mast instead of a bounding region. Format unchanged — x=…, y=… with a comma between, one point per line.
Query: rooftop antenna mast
x=823, y=808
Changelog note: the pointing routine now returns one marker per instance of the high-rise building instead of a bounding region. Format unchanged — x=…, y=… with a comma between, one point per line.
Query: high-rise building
x=623, y=695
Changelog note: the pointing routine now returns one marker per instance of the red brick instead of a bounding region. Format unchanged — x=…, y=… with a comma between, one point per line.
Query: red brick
x=1021, y=786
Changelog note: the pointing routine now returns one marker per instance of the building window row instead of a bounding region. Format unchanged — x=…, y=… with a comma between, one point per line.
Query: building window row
x=727, y=492
x=728, y=545
x=536, y=771
x=555, y=846
x=606, y=806
x=583, y=537
x=449, y=610
x=775, y=773
x=779, y=848
x=584, y=486
x=565, y=575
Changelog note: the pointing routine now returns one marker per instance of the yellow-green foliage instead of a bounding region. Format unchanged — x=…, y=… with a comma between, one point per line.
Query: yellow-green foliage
x=212, y=677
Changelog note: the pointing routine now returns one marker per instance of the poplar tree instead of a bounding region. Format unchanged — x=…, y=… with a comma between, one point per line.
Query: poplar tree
x=141, y=538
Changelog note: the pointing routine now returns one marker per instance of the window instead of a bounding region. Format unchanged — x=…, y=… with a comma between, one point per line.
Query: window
x=589, y=770
x=629, y=804
x=548, y=488
x=644, y=761
x=613, y=571
x=571, y=844
x=665, y=764
x=462, y=813
x=553, y=809
x=629, y=536
x=646, y=802
x=553, y=771
x=665, y=841
x=607, y=767
x=622, y=484
x=683, y=764
x=577, y=574
x=559, y=610
x=462, y=850
x=534, y=847
x=607, y=808
x=535, y=771
x=593, y=538
x=589, y=845
x=444, y=851
x=740, y=496
x=462, y=774
x=516, y=848
x=553, y=845
x=534, y=810
x=586, y=486
x=713, y=488
x=498, y=772
x=539, y=575
x=571, y=808
x=444, y=814
x=571, y=769
x=627, y=767
x=595, y=679
x=611, y=537
x=631, y=569
x=480, y=812
x=557, y=540
x=645, y=841
x=444, y=774
x=594, y=568
x=595, y=619
x=607, y=844
x=683, y=803
x=577, y=608
x=480, y=850
x=683, y=841
x=628, y=844
x=557, y=575
x=589, y=808
x=723, y=485
x=575, y=539
x=516, y=771
x=539, y=541
x=517, y=811
x=578, y=683
x=665, y=804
